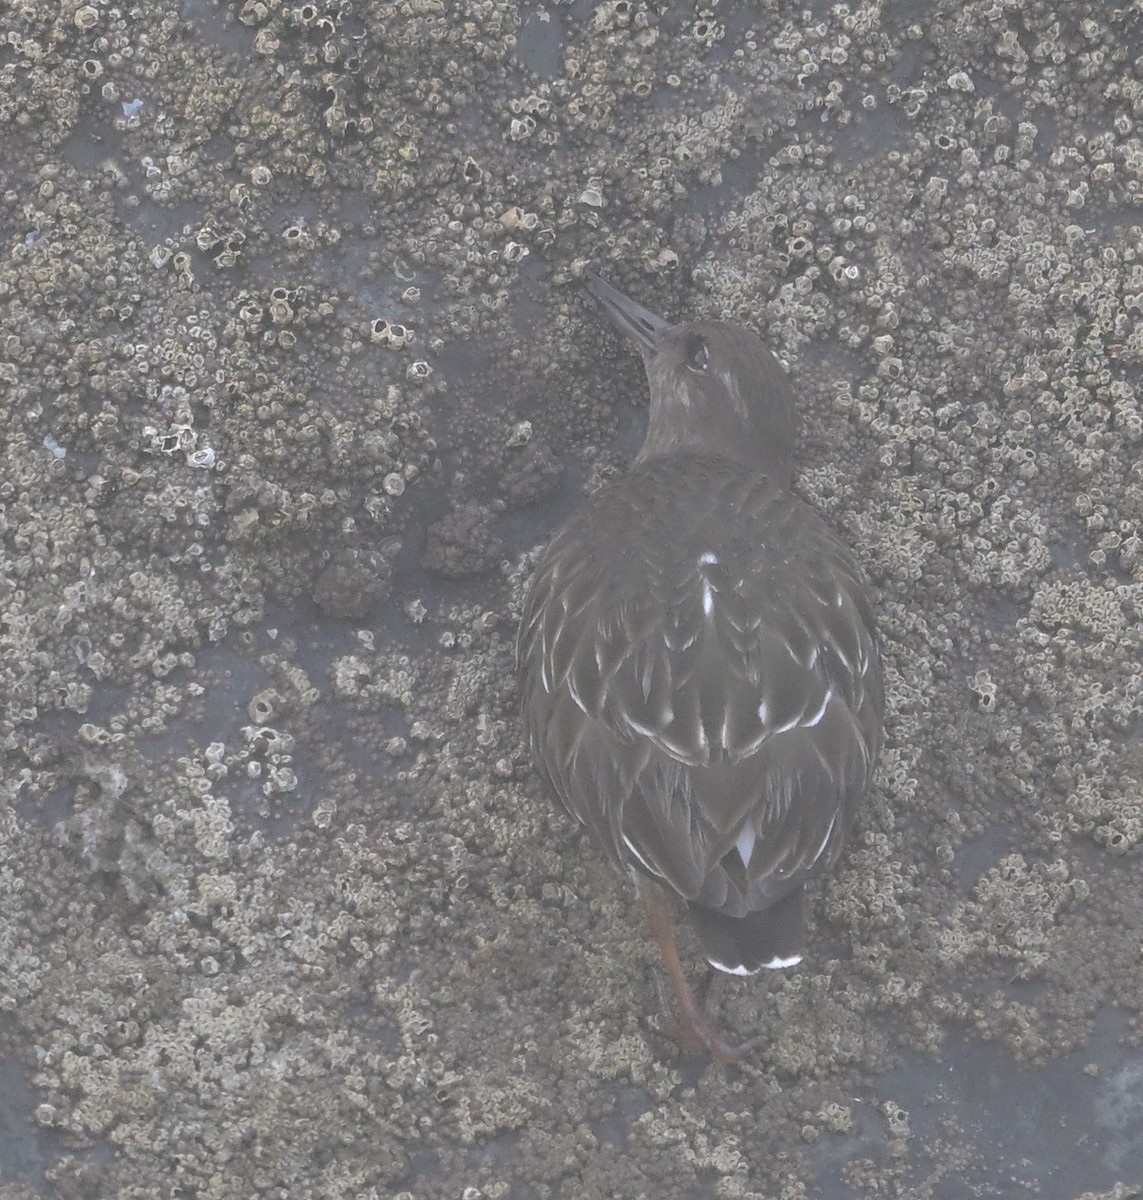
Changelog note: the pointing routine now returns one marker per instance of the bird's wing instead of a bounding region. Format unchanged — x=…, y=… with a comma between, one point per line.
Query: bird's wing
x=715, y=741
x=766, y=718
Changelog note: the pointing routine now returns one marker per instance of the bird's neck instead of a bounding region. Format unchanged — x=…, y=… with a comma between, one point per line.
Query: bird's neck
x=752, y=454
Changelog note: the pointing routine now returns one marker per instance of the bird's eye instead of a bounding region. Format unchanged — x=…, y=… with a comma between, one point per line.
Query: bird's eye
x=696, y=355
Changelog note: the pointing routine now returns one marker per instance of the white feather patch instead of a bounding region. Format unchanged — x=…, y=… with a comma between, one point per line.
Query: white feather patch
x=810, y=722
x=631, y=846
x=729, y=970
x=747, y=839
x=780, y=964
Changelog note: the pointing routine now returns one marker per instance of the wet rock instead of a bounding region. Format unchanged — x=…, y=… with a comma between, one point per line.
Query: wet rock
x=462, y=543
x=530, y=474
x=355, y=582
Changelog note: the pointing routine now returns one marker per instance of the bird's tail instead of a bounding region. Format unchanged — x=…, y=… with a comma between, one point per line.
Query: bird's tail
x=774, y=937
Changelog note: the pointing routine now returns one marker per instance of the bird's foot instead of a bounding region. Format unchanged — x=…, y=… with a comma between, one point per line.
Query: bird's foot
x=695, y=1029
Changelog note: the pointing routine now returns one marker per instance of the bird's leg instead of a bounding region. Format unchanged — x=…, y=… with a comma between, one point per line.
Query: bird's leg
x=686, y=1029
x=693, y=1030
x=712, y=993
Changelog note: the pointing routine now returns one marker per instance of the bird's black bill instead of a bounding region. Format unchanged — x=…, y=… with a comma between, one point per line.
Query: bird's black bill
x=640, y=325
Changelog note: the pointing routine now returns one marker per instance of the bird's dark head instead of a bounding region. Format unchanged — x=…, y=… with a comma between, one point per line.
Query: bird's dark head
x=715, y=388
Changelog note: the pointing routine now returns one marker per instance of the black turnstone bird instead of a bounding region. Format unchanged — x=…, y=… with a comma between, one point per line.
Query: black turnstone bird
x=699, y=668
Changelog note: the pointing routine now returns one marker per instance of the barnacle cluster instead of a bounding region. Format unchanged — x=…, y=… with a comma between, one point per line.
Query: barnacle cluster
x=293, y=378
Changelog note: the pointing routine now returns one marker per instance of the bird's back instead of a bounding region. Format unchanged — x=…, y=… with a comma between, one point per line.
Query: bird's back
x=700, y=680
